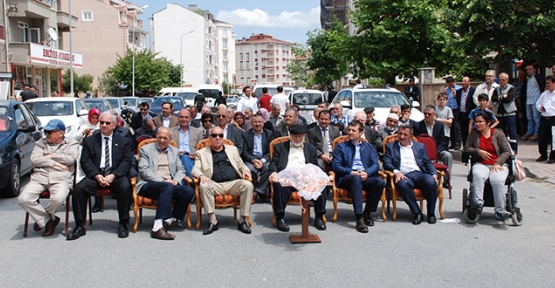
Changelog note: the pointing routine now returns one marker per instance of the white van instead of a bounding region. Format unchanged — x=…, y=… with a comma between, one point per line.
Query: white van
x=188, y=95
x=272, y=89
x=171, y=91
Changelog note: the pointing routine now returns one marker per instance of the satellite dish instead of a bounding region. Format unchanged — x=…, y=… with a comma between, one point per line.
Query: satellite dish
x=52, y=33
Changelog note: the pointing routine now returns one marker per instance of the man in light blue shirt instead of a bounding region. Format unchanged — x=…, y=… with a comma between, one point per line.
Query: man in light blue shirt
x=187, y=138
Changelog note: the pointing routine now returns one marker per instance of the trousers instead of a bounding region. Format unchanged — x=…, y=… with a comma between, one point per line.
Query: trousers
x=481, y=173
x=239, y=187
x=29, y=197
x=166, y=193
x=373, y=187
x=120, y=187
x=422, y=181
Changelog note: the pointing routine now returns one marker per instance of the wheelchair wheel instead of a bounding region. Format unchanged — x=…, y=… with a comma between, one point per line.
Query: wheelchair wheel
x=467, y=219
x=517, y=217
x=465, y=199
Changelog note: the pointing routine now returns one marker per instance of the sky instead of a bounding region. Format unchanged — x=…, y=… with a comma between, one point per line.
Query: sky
x=287, y=20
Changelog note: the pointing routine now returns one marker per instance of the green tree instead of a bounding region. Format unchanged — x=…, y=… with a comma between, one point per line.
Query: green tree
x=519, y=29
x=80, y=83
x=107, y=84
x=298, y=67
x=151, y=74
x=396, y=37
x=327, y=64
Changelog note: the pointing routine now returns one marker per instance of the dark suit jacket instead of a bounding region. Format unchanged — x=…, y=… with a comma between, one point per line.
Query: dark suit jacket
x=469, y=99
x=415, y=94
x=373, y=137
x=438, y=134
x=236, y=136
x=344, y=155
x=281, y=156
x=314, y=136
x=248, y=145
x=159, y=121
x=392, y=157
x=122, y=155
x=281, y=130
x=137, y=120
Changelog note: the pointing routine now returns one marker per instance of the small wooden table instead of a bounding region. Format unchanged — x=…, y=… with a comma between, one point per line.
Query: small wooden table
x=305, y=237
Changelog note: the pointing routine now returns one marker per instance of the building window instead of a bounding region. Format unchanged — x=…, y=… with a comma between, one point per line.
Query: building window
x=224, y=33
x=225, y=55
x=209, y=45
x=210, y=30
x=87, y=16
x=242, y=73
x=240, y=56
x=240, y=65
x=248, y=49
x=240, y=48
x=226, y=78
x=225, y=66
x=23, y=30
x=225, y=45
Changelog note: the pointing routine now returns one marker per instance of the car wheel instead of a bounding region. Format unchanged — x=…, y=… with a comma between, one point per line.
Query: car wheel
x=12, y=189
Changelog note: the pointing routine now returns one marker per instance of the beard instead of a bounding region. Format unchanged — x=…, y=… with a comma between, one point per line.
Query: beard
x=297, y=145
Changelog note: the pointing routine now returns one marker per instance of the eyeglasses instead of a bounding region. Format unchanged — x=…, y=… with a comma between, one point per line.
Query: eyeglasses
x=428, y=114
x=104, y=122
x=146, y=109
x=207, y=121
x=221, y=116
x=217, y=135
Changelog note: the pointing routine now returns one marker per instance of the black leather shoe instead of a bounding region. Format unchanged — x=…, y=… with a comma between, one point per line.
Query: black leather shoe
x=368, y=220
x=76, y=233
x=550, y=161
x=319, y=224
x=123, y=232
x=211, y=228
x=361, y=226
x=432, y=219
x=282, y=226
x=162, y=234
x=418, y=217
x=540, y=159
x=244, y=227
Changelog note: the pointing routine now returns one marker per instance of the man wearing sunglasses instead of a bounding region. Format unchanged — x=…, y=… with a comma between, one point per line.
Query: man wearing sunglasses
x=54, y=160
x=106, y=159
x=221, y=171
x=230, y=132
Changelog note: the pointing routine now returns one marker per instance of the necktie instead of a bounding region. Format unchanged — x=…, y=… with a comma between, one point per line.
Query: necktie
x=107, y=155
x=326, y=141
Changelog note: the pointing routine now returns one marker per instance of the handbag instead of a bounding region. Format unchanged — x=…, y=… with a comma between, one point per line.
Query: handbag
x=520, y=173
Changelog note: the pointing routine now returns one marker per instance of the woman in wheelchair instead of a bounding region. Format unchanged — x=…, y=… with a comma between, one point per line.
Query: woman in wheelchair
x=492, y=149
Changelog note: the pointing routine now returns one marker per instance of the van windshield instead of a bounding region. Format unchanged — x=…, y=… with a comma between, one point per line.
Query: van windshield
x=307, y=98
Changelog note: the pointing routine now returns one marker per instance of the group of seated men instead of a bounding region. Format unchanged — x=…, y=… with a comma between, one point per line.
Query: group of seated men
x=243, y=169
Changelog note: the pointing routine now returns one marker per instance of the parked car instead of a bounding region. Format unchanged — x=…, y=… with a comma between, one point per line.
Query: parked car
x=354, y=100
x=116, y=103
x=132, y=102
x=188, y=98
x=19, y=130
x=177, y=102
x=100, y=103
x=72, y=111
x=232, y=101
x=147, y=100
x=307, y=100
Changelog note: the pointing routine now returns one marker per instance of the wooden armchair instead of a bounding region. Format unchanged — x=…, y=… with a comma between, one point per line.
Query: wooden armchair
x=220, y=201
x=295, y=199
x=343, y=195
x=395, y=195
x=140, y=202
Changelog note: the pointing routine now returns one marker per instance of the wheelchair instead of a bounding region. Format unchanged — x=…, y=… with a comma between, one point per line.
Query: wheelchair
x=511, y=203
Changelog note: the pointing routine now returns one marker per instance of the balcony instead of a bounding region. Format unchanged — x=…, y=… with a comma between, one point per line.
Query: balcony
x=41, y=9
x=63, y=21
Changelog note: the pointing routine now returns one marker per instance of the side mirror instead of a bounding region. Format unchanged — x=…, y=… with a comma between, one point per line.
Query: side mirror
x=415, y=104
x=346, y=104
x=83, y=112
x=27, y=129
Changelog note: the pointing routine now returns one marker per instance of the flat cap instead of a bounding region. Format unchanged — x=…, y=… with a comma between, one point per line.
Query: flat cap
x=369, y=109
x=297, y=129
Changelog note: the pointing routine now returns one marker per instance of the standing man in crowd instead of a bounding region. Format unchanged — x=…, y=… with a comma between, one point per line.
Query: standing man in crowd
x=504, y=103
x=54, y=160
x=27, y=93
x=546, y=105
x=200, y=100
x=451, y=91
x=465, y=99
x=518, y=83
x=106, y=159
x=161, y=178
x=355, y=163
x=486, y=88
x=264, y=101
x=247, y=100
x=166, y=119
x=412, y=92
x=531, y=91
x=281, y=99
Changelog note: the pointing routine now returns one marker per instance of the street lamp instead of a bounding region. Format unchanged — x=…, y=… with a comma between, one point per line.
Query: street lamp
x=133, y=36
x=181, y=57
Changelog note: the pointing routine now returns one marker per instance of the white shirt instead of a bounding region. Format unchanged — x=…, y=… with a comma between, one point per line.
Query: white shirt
x=281, y=99
x=250, y=102
x=166, y=121
x=296, y=156
x=547, y=100
x=103, y=150
x=408, y=162
x=483, y=88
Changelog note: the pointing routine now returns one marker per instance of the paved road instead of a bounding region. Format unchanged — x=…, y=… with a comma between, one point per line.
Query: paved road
x=393, y=254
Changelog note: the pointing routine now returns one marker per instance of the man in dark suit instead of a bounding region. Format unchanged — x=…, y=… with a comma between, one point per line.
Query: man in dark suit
x=465, y=101
x=412, y=92
x=437, y=130
x=138, y=120
x=322, y=137
x=256, y=155
x=230, y=132
x=106, y=159
x=27, y=93
x=288, y=154
x=166, y=119
x=414, y=170
x=355, y=163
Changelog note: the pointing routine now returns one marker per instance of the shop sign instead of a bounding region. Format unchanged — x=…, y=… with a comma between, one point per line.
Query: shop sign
x=46, y=55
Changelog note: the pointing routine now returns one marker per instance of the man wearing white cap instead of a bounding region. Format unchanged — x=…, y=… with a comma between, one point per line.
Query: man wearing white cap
x=390, y=126
x=54, y=160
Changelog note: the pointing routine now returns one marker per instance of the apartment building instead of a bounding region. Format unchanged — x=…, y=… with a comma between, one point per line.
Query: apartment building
x=36, y=53
x=338, y=9
x=105, y=29
x=193, y=38
x=263, y=59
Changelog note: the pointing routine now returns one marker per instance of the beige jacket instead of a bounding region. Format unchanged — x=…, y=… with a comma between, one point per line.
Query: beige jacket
x=204, y=165
x=45, y=172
